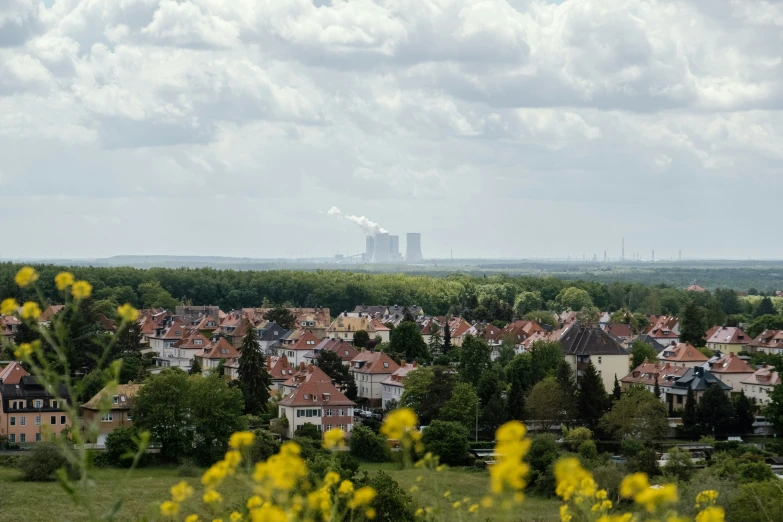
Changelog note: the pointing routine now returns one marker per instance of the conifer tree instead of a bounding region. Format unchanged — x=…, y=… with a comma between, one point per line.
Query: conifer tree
x=690, y=419
x=692, y=328
x=657, y=388
x=446, y=338
x=516, y=399
x=254, y=380
x=195, y=368
x=617, y=392
x=591, y=398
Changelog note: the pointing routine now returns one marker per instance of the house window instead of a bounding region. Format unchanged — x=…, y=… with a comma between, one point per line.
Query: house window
x=129, y=415
x=12, y=437
x=38, y=404
x=13, y=421
x=599, y=360
x=22, y=420
x=38, y=437
x=328, y=427
x=328, y=414
x=116, y=399
x=37, y=420
x=22, y=438
x=53, y=420
x=62, y=419
x=106, y=417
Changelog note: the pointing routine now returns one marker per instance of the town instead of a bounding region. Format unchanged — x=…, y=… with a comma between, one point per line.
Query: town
x=669, y=395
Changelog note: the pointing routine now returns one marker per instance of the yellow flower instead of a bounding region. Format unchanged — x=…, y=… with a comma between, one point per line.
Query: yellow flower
x=334, y=438
x=215, y=475
x=63, y=280
x=510, y=469
x=473, y=508
x=346, y=487
x=30, y=310
x=706, y=497
x=81, y=290
x=169, y=509
x=487, y=502
x=370, y=513
x=241, y=439
x=446, y=494
x=565, y=516
x=633, y=484
x=573, y=480
x=419, y=512
x=268, y=513
x=128, y=313
x=282, y=471
x=25, y=351
x=399, y=423
x=711, y=514
x=233, y=458
x=254, y=502
x=361, y=497
x=181, y=492
x=8, y=306
x=235, y=517
x=25, y=276
x=212, y=497
x=456, y=504
x=655, y=496
x=191, y=518
x=627, y=517
x=331, y=479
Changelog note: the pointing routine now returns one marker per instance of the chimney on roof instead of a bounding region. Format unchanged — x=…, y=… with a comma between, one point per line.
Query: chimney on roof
x=302, y=366
x=698, y=371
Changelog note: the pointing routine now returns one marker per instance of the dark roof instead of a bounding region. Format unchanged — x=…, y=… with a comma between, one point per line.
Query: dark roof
x=699, y=379
x=268, y=333
x=28, y=387
x=590, y=340
x=658, y=347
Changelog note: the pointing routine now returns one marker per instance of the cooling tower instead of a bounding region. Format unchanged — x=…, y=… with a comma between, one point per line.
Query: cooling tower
x=382, y=248
x=413, y=248
x=394, y=248
x=369, y=248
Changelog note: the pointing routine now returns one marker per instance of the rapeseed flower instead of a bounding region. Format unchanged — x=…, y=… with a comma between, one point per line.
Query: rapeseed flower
x=9, y=306
x=31, y=311
x=81, y=290
x=346, y=488
x=707, y=497
x=191, y=518
x=362, y=497
x=473, y=508
x=711, y=514
x=284, y=470
x=25, y=276
x=334, y=438
x=510, y=469
x=633, y=484
x=370, y=513
x=401, y=425
x=128, y=313
x=235, y=517
x=25, y=350
x=169, y=509
x=181, y=492
x=233, y=458
x=241, y=439
x=212, y=497
x=654, y=497
x=63, y=280
x=573, y=480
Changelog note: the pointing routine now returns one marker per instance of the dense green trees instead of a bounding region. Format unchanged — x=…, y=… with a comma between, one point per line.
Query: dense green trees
x=448, y=440
x=692, y=325
x=546, y=403
x=641, y=351
x=254, y=379
x=715, y=412
x=591, y=399
x=333, y=366
x=638, y=414
x=474, y=359
x=407, y=343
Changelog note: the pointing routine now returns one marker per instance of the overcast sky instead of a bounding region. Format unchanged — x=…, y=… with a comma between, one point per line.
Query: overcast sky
x=519, y=128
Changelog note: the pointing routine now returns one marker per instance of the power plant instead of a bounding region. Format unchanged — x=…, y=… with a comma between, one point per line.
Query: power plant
x=380, y=247
x=413, y=248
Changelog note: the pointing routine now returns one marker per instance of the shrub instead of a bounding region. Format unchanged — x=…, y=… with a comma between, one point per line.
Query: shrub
x=264, y=446
x=703, y=480
x=41, y=463
x=754, y=472
x=588, y=451
x=9, y=461
x=609, y=478
x=188, y=469
x=308, y=430
x=541, y=457
x=754, y=499
x=679, y=465
x=448, y=440
x=392, y=503
x=120, y=447
x=366, y=445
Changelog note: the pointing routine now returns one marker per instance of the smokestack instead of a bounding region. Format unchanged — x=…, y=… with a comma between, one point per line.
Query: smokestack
x=369, y=242
x=382, y=248
x=413, y=247
x=394, y=248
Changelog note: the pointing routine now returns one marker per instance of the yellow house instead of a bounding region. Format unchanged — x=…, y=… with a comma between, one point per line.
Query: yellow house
x=728, y=339
x=583, y=344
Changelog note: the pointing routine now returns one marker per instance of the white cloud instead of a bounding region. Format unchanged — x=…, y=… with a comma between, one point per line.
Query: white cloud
x=395, y=109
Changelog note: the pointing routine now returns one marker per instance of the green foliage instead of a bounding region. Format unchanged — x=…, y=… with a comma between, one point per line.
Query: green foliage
x=361, y=338
x=426, y=390
x=754, y=499
x=690, y=416
x=754, y=472
x=406, y=342
x=448, y=440
x=588, y=451
x=693, y=325
x=281, y=316
x=541, y=457
x=153, y=295
x=679, y=465
x=545, y=357
x=573, y=298
x=254, y=379
x=461, y=406
x=774, y=409
x=264, y=446
x=368, y=446
x=333, y=366
x=162, y=407
x=546, y=402
x=542, y=317
x=765, y=322
x=308, y=430
x=527, y=302
x=121, y=445
x=616, y=390
x=215, y=412
x=743, y=414
x=641, y=351
x=715, y=411
x=474, y=359
x=195, y=368
x=392, y=503
x=637, y=414
x=591, y=399
x=41, y=463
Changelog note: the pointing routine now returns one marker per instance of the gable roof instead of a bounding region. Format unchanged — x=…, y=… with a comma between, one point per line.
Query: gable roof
x=122, y=391
x=769, y=339
x=222, y=349
x=647, y=372
x=351, y=324
x=683, y=352
x=398, y=377
x=279, y=368
x=312, y=392
x=730, y=363
x=663, y=327
x=308, y=341
x=766, y=376
x=272, y=332
x=698, y=379
x=658, y=347
x=590, y=340
x=345, y=350
x=374, y=362
x=619, y=330
x=12, y=373
x=729, y=335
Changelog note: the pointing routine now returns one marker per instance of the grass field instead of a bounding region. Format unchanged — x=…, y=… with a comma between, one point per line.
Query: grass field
x=141, y=489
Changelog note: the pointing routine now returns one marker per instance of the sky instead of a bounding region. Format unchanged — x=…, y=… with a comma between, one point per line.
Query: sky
x=496, y=128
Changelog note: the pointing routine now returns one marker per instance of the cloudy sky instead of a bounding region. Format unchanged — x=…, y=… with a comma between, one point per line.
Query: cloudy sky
x=521, y=128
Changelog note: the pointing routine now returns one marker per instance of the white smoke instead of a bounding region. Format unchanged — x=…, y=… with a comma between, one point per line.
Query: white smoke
x=370, y=227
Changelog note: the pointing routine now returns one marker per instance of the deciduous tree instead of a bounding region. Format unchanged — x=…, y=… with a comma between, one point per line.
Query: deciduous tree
x=462, y=406
x=474, y=359
x=692, y=328
x=641, y=351
x=406, y=342
x=546, y=404
x=638, y=414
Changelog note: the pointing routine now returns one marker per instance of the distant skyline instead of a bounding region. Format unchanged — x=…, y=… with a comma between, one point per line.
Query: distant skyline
x=495, y=128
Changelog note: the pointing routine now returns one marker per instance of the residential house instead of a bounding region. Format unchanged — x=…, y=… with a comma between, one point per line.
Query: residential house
x=699, y=380
x=12, y=373
x=622, y=333
x=296, y=352
x=731, y=370
x=343, y=349
x=665, y=329
x=585, y=343
x=728, y=339
x=315, y=319
x=119, y=400
x=9, y=325
x=196, y=315
x=369, y=370
x=682, y=354
x=647, y=373
x=345, y=326
x=429, y=326
x=696, y=288
x=216, y=351
x=769, y=342
x=47, y=316
x=270, y=337
x=167, y=334
x=28, y=412
x=393, y=386
x=658, y=347
x=459, y=328
x=759, y=386
x=280, y=370
x=317, y=401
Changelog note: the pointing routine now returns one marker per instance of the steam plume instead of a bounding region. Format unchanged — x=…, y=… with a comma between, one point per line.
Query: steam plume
x=370, y=227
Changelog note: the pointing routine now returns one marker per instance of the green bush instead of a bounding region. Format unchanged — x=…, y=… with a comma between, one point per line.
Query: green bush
x=703, y=480
x=188, y=469
x=120, y=447
x=264, y=446
x=9, y=461
x=392, y=503
x=448, y=440
x=541, y=457
x=588, y=451
x=609, y=477
x=41, y=463
x=754, y=472
x=308, y=430
x=756, y=501
x=366, y=445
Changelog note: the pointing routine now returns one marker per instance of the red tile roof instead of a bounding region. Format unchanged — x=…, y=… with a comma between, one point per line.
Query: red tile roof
x=12, y=373
x=314, y=387
x=308, y=341
x=646, y=373
x=766, y=376
x=683, y=352
x=374, y=362
x=768, y=339
x=221, y=349
x=345, y=350
x=730, y=363
x=729, y=335
x=279, y=368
